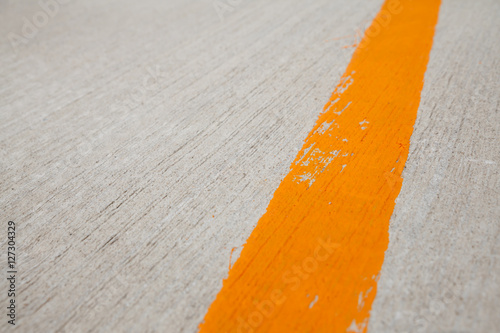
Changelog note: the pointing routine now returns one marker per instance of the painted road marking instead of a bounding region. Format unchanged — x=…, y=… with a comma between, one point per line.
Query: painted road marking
x=313, y=261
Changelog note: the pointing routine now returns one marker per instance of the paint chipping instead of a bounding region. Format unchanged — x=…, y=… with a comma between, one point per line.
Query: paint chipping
x=362, y=123
x=319, y=161
x=313, y=302
x=324, y=126
x=340, y=112
x=356, y=328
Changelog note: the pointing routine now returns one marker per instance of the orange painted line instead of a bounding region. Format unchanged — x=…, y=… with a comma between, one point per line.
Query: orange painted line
x=313, y=261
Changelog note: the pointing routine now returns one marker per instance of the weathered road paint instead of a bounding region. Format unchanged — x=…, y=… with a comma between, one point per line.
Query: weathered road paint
x=313, y=261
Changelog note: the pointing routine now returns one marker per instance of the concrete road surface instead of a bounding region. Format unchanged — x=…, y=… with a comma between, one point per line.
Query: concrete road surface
x=141, y=141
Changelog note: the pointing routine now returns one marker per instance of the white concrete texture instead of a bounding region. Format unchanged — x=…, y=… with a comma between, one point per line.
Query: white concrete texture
x=141, y=141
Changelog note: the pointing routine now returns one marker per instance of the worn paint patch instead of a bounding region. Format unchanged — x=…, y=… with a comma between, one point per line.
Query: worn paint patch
x=326, y=229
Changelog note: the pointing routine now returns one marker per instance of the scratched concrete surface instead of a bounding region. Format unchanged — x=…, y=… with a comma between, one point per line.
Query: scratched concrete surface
x=141, y=142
